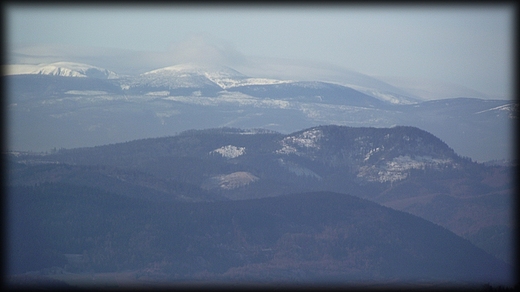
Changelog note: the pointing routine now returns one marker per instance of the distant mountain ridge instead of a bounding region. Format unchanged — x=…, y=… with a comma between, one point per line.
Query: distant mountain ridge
x=160, y=175
x=390, y=89
x=66, y=69
x=172, y=99
x=190, y=75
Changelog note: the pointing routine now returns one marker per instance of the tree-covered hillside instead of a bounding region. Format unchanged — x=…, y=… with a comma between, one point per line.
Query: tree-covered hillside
x=306, y=237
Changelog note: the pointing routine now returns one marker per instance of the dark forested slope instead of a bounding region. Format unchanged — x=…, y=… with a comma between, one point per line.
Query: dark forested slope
x=304, y=237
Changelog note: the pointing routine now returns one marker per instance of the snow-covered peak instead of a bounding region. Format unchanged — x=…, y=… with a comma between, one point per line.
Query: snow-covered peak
x=198, y=69
x=393, y=97
x=223, y=76
x=67, y=69
x=225, y=83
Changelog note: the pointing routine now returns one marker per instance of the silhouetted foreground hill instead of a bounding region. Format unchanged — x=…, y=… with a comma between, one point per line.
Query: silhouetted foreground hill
x=64, y=231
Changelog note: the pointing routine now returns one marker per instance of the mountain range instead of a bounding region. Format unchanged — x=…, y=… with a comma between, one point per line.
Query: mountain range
x=200, y=173
x=404, y=168
x=78, y=105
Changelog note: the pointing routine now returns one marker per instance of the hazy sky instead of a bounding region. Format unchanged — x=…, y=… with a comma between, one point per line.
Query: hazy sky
x=468, y=45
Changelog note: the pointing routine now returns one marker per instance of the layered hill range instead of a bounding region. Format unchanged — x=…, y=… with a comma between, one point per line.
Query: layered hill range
x=78, y=105
x=404, y=168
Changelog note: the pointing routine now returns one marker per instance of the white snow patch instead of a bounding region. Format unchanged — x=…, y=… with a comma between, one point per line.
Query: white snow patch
x=371, y=152
x=85, y=92
x=307, y=139
x=226, y=83
x=68, y=69
x=230, y=151
x=159, y=93
x=230, y=181
x=187, y=75
x=398, y=168
x=232, y=97
x=505, y=107
x=286, y=149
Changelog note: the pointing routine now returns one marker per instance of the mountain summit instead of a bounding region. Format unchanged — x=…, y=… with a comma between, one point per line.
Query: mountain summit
x=60, y=99
x=67, y=69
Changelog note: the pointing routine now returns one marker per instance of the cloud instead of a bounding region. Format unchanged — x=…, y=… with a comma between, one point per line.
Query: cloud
x=197, y=48
x=205, y=49
x=117, y=60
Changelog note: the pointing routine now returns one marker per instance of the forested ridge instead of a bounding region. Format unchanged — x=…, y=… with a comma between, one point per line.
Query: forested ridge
x=231, y=204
